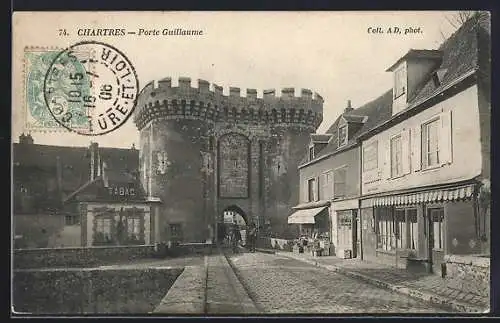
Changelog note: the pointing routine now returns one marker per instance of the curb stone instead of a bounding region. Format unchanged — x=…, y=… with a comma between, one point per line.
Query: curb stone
x=415, y=293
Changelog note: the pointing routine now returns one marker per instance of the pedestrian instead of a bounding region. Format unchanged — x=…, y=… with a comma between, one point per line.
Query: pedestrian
x=252, y=235
x=235, y=238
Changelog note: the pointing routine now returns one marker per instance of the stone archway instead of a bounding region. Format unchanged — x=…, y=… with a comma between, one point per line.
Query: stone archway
x=232, y=215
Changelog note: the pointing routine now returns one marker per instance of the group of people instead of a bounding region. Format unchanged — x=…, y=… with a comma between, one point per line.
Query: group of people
x=234, y=237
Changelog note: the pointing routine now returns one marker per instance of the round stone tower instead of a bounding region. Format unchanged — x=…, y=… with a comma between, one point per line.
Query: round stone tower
x=203, y=153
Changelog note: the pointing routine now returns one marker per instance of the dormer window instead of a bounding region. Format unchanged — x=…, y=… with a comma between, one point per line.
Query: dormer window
x=311, y=153
x=399, y=82
x=342, y=135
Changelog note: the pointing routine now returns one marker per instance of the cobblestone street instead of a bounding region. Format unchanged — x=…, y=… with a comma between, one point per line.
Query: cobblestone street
x=281, y=285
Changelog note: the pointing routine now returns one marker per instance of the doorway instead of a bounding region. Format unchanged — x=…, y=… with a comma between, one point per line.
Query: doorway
x=232, y=216
x=435, y=237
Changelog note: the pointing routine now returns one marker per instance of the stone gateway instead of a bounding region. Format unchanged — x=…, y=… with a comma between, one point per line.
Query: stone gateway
x=202, y=152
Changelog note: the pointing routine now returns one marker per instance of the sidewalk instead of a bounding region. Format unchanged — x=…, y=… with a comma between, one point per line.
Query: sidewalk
x=428, y=287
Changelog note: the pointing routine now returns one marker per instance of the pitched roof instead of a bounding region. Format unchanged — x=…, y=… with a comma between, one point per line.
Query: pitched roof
x=33, y=162
x=320, y=137
x=417, y=54
x=460, y=54
x=96, y=190
x=373, y=113
x=354, y=118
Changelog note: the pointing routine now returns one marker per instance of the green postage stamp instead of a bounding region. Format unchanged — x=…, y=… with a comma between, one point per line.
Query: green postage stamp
x=37, y=61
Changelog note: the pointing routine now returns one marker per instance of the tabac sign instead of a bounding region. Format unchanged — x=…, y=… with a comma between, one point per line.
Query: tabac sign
x=123, y=191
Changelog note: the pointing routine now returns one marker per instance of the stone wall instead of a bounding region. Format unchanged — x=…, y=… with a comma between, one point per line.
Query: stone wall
x=186, y=160
x=75, y=291
x=469, y=273
x=78, y=257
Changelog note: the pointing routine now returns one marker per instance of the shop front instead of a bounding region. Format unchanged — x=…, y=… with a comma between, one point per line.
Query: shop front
x=416, y=230
x=314, y=228
x=346, y=229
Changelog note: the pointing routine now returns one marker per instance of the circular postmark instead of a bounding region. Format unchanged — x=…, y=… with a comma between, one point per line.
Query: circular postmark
x=91, y=88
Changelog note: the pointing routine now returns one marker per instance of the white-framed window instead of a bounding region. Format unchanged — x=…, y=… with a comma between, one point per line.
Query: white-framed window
x=133, y=227
x=339, y=182
x=343, y=136
x=103, y=227
x=370, y=156
x=327, y=185
x=430, y=143
x=437, y=220
x=397, y=228
x=311, y=153
x=312, y=190
x=70, y=219
x=412, y=225
x=400, y=226
x=386, y=237
x=396, y=156
x=399, y=82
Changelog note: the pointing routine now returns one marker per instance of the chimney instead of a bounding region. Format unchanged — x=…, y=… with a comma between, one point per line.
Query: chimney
x=94, y=160
x=104, y=174
x=26, y=139
x=349, y=107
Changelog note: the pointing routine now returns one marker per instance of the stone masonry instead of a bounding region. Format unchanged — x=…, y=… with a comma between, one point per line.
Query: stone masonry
x=202, y=152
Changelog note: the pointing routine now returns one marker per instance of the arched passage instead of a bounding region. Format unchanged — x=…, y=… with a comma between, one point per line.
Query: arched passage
x=231, y=216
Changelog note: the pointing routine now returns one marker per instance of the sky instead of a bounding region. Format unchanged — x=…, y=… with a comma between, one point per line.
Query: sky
x=331, y=53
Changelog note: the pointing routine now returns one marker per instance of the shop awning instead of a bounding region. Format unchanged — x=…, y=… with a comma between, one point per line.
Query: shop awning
x=438, y=195
x=305, y=216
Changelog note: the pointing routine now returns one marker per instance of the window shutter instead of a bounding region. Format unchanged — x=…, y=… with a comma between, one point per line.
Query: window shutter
x=445, y=139
x=405, y=151
x=416, y=148
x=387, y=158
x=317, y=188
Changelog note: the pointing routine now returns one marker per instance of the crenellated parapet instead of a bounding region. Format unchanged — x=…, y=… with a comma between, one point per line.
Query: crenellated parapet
x=161, y=101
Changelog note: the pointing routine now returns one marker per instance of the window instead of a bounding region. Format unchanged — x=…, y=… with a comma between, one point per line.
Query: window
x=370, y=157
x=437, y=217
x=71, y=220
x=385, y=229
x=311, y=153
x=397, y=228
x=400, y=232
x=176, y=231
x=430, y=144
x=339, y=179
x=311, y=190
x=326, y=186
x=399, y=82
x=103, y=228
x=133, y=227
x=411, y=216
x=342, y=135
x=396, y=156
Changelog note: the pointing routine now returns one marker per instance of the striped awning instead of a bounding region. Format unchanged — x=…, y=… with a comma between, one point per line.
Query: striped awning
x=305, y=216
x=439, y=195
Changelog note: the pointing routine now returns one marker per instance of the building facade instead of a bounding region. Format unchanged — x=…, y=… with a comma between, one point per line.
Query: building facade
x=426, y=170
x=204, y=153
x=330, y=177
x=78, y=197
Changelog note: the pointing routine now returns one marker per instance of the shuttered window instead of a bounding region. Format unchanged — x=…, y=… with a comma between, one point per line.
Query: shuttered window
x=339, y=179
x=370, y=157
x=430, y=144
x=396, y=156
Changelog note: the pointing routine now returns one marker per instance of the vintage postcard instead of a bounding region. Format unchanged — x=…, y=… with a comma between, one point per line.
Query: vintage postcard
x=233, y=163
